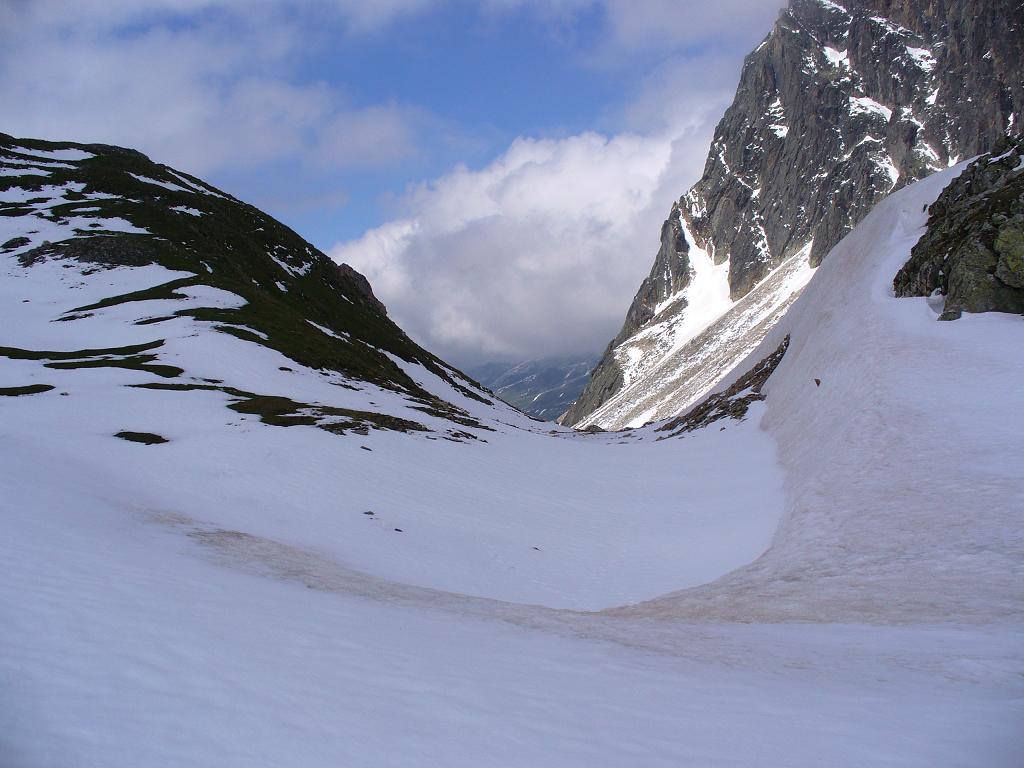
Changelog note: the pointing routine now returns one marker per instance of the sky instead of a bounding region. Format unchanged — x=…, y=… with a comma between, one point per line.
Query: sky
x=498, y=169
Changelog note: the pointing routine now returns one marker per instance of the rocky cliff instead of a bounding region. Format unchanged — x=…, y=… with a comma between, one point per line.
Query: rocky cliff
x=840, y=105
x=972, y=255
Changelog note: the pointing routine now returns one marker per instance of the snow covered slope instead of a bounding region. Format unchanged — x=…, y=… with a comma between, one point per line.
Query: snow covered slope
x=679, y=357
x=225, y=598
x=278, y=421
x=901, y=438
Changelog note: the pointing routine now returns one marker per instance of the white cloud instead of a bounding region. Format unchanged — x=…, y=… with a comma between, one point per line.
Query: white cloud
x=536, y=254
x=541, y=252
x=674, y=23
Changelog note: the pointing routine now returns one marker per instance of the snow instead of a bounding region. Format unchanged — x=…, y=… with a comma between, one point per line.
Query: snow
x=33, y=162
x=186, y=186
x=43, y=225
x=1001, y=157
x=868, y=139
x=194, y=187
x=887, y=165
x=53, y=194
x=220, y=665
x=65, y=155
x=922, y=57
x=836, y=57
x=247, y=329
x=833, y=6
x=158, y=183
x=777, y=113
x=853, y=550
x=706, y=297
x=810, y=65
x=859, y=523
x=327, y=331
x=214, y=298
x=293, y=271
x=672, y=364
x=468, y=526
x=928, y=151
x=891, y=27
x=186, y=209
x=24, y=171
x=107, y=224
x=866, y=105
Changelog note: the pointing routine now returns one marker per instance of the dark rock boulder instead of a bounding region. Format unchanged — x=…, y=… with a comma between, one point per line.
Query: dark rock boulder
x=362, y=286
x=973, y=250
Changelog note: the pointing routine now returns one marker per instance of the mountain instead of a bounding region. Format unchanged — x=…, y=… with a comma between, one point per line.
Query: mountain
x=856, y=342
x=144, y=253
x=232, y=541
x=839, y=106
x=543, y=388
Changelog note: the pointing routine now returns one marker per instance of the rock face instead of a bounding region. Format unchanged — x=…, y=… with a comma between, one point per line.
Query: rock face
x=973, y=250
x=670, y=274
x=841, y=104
x=362, y=285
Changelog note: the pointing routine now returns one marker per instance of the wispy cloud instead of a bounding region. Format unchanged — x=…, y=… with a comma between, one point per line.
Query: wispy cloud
x=205, y=84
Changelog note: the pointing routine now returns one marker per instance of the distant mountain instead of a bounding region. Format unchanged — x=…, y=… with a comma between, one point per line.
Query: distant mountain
x=543, y=388
x=843, y=103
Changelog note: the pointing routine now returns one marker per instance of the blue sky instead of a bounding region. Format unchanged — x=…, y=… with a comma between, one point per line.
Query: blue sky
x=481, y=80
x=499, y=169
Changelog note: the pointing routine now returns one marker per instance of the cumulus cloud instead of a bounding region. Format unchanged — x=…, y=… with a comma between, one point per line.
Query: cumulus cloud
x=540, y=252
x=536, y=254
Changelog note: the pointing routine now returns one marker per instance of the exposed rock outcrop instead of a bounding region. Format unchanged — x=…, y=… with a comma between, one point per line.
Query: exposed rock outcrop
x=973, y=250
x=362, y=285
